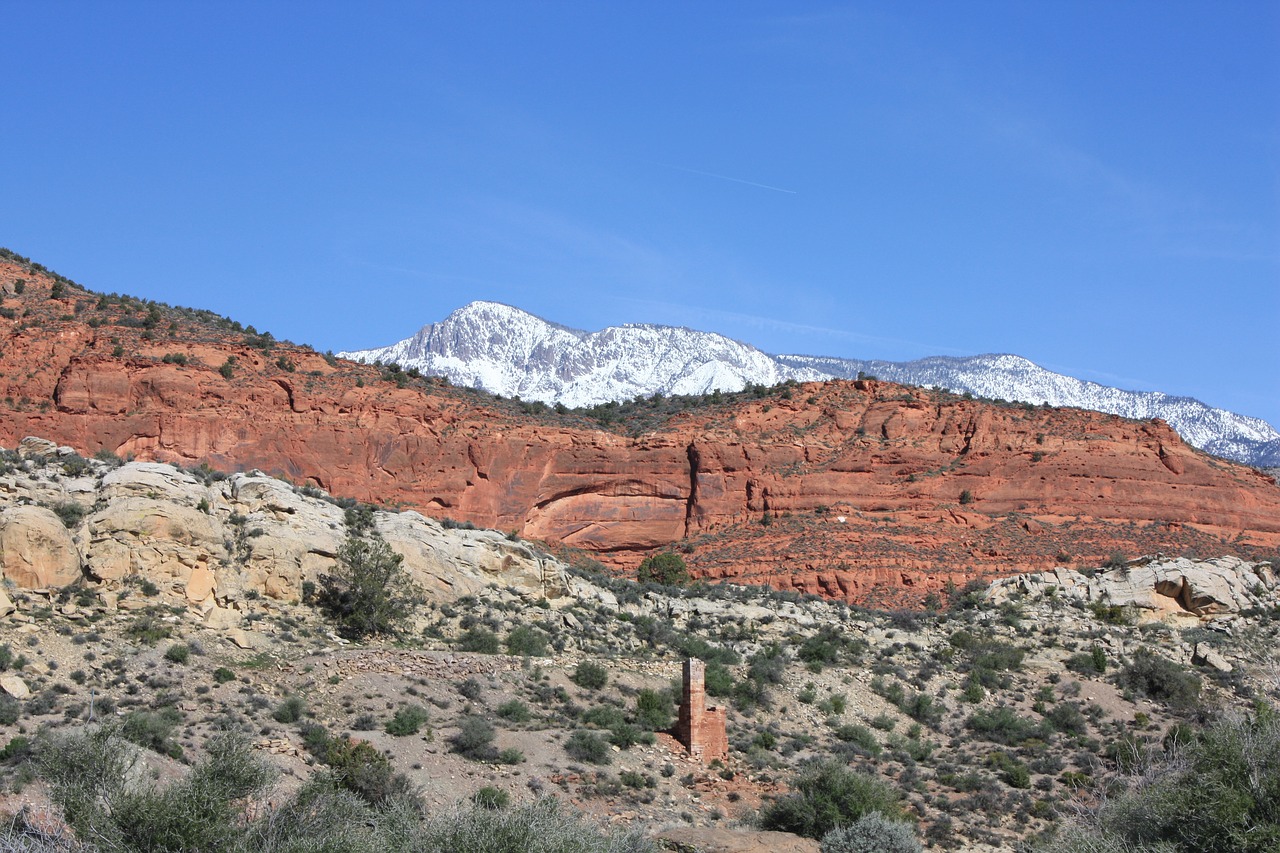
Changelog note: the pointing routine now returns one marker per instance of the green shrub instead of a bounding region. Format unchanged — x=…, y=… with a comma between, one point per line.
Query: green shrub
x=16, y=749
x=178, y=653
x=1012, y=771
x=10, y=710
x=369, y=592
x=515, y=711
x=510, y=755
x=590, y=675
x=588, y=746
x=654, y=709
x=827, y=795
x=871, y=833
x=153, y=730
x=480, y=640
x=527, y=641
x=667, y=568
x=1067, y=718
x=69, y=512
x=1003, y=725
x=1218, y=793
x=222, y=675
x=361, y=769
x=87, y=775
x=1157, y=678
x=859, y=736
x=539, y=827
x=408, y=720
x=474, y=739
x=290, y=710
x=491, y=798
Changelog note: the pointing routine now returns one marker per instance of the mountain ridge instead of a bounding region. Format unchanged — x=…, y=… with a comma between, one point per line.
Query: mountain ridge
x=505, y=350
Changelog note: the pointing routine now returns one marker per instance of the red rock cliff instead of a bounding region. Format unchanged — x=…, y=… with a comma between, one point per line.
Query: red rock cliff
x=852, y=489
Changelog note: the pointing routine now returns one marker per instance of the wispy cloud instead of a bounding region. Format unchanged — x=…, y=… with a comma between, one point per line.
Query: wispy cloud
x=708, y=319
x=728, y=178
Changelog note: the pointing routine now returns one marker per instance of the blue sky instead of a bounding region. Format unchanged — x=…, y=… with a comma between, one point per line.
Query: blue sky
x=1095, y=186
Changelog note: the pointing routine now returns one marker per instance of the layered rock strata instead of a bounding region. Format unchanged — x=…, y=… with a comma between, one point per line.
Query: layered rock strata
x=841, y=488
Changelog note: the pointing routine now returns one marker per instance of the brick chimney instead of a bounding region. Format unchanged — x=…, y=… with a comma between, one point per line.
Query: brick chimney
x=699, y=728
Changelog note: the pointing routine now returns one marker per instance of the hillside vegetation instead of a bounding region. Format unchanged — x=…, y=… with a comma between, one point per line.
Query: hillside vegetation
x=1047, y=710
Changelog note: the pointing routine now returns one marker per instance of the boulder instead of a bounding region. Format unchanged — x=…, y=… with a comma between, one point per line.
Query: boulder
x=36, y=549
x=151, y=537
x=448, y=564
x=6, y=603
x=39, y=449
x=14, y=686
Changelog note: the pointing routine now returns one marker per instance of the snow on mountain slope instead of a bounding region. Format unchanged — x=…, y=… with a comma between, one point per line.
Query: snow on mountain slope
x=510, y=352
x=507, y=351
x=1011, y=377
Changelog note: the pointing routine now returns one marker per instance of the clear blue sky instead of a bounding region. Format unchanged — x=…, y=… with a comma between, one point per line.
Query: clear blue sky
x=1093, y=185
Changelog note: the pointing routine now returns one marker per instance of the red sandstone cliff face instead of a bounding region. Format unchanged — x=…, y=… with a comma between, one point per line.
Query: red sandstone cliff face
x=849, y=489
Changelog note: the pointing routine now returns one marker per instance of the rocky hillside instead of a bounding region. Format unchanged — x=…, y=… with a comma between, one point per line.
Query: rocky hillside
x=506, y=351
x=169, y=600
x=861, y=490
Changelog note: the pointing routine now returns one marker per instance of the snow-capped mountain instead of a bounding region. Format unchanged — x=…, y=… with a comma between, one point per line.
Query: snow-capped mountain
x=510, y=352
x=1010, y=377
x=507, y=351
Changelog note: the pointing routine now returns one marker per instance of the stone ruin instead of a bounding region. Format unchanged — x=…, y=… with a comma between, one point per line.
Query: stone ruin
x=699, y=728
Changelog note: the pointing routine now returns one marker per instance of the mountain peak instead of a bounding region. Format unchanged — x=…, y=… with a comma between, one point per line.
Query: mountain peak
x=506, y=350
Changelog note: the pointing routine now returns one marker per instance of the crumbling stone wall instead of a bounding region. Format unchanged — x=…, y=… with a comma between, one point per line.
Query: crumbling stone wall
x=699, y=728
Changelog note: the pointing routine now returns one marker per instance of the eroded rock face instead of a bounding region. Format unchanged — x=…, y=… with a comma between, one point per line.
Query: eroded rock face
x=36, y=549
x=893, y=462
x=1157, y=586
x=214, y=545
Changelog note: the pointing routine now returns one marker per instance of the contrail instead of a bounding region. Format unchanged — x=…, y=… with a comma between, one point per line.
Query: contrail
x=727, y=178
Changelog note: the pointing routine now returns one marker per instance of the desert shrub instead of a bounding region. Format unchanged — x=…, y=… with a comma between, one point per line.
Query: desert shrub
x=1067, y=718
x=471, y=689
x=474, y=739
x=369, y=591
x=16, y=749
x=178, y=653
x=491, y=798
x=515, y=711
x=527, y=641
x=153, y=730
x=408, y=720
x=10, y=710
x=1157, y=678
x=361, y=769
x=510, y=755
x=1093, y=662
x=588, y=746
x=539, y=827
x=667, y=568
x=1003, y=725
x=827, y=795
x=654, y=709
x=1217, y=793
x=69, y=512
x=871, y=833
x=718, y=679
x=88, y=779
x=290, y=710
x=590, y=675
x=859, y=736
x=222, y=675
x=1012, y=771
x=480, y=640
